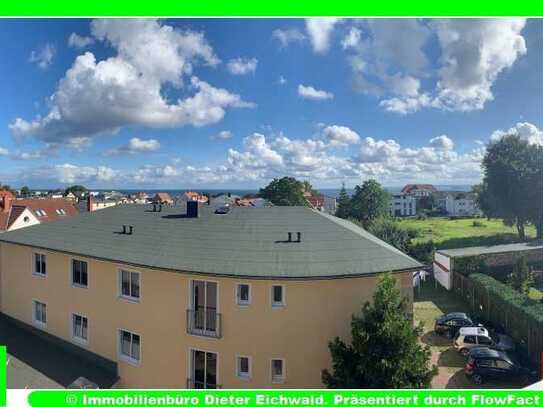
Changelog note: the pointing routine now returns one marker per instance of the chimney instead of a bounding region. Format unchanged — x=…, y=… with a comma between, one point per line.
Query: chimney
x=298, y=237
x=154, y=207
x=290, y=236
x=160, y=208
x=130, y=229
x=7, y=202
x=192, y=209
x=124, y=229
x=89, y=203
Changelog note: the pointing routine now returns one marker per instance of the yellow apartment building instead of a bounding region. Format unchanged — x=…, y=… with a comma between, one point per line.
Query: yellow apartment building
x=191, y=297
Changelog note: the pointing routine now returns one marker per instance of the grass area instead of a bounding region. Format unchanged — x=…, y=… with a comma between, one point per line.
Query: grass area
x=453, y=233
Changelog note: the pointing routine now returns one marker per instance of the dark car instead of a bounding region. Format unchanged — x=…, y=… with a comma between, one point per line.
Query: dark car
x=489, y=364
x=450, y=324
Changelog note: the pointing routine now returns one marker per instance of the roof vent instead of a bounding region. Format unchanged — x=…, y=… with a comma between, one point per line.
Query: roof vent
x=128, y=229
x=298, y=237
x=223, y=210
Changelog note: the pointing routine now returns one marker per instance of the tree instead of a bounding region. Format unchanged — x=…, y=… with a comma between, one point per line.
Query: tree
x=369, y=202
x=76, y=190
x=25, y=192
x=343, y=204
x=508, y=168
x=286, y=191
x=522, y=278
x=385, y=351
x=391, y=232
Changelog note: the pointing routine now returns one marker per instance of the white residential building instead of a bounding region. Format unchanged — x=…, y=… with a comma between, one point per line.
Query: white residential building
x=403, y=205
x=461, y=204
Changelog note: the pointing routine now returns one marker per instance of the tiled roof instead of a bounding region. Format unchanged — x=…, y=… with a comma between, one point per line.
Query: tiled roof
x=49, y=206
x=410, y=187
x=246, y=242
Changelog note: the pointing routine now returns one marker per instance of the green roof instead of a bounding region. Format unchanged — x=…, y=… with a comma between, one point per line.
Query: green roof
x=501, y=248
x=248, y=242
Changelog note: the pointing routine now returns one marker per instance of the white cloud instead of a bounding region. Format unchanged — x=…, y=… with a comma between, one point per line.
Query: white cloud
x=390, y=59
x=442, y=142
x=309, y=92
x=242, y=66
x=223, y=135
x=340, y=135
x=43, y=57
x=79, y=41
x=352, y=39
x=474, y=53
x=4, y=151
x=71, y=174
x=136, y=145
x=288, y=36
x=100, y=97
x=320, y=31
x=282, y=80
x=526, y=131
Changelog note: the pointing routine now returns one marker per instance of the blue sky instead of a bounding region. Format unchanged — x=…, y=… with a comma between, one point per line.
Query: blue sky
x=217, y=103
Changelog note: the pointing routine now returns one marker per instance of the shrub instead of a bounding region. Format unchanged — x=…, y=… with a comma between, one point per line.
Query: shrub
x=478, y=224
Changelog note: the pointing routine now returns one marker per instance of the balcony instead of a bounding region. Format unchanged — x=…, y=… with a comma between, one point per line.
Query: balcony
x=196, y=384
x=204, y=321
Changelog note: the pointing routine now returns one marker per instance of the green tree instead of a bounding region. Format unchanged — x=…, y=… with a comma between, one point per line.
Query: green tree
x=25, y=192
x=508, y=182
x=76, y=190
x=385, y=351
x=522, y=277
x=286, y=191
x=369, y=202
x=343, y=203
x=390, y=231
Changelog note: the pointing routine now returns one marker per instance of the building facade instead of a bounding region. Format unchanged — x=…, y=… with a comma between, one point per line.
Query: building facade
x=403, y=205
x=176, y=328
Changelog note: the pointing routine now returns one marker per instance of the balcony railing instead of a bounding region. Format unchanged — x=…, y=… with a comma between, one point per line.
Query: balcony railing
x=204, y=321
x=195, y=384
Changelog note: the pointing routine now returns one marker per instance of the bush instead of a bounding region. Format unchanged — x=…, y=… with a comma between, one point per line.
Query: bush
x=478, y=224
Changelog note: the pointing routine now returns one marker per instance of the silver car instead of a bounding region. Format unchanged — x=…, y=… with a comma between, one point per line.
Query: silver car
x=474, y=337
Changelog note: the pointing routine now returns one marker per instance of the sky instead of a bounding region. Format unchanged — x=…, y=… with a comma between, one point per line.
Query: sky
x=233, y=103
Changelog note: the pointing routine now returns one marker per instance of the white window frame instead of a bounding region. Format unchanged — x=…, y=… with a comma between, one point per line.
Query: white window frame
x=281, y=304
x=120, y=284
x=237, y=296
x=35, y=321
x=190, y=366
x=74, y=337
x=74, y=284
x=283, y=377
x=239, y=374
x=128, y=358
x=34, y=272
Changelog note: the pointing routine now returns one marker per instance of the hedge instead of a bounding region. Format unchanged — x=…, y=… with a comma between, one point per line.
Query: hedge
x=509, y=296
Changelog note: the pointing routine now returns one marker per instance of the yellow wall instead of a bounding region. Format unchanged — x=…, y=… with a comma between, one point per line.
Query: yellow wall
x=315, y=312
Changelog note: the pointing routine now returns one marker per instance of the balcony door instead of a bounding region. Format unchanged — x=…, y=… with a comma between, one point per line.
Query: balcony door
x=203, y=371
x=204, y=304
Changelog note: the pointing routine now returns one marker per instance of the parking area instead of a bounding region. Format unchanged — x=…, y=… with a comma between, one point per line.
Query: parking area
x=430, y=303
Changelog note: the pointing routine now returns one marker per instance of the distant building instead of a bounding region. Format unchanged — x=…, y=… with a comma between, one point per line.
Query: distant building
x=461, y=204
x=419, y=190
x=191, y=196
x=19, y=213
x=163, y=198
x=330, y=204
x=403, y=205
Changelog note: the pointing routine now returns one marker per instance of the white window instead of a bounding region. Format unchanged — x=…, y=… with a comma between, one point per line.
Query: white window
x=278, y=296
x=40, y=313
x=129, y=346
x=243, y=367
x=278, y=370
x=129, y=284
x=243, y=294
x=80, y=277
x=80, y=327
x=40, y=264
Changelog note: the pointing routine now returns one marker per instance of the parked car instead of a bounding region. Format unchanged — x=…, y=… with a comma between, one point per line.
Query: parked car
x=449, y=324
x=477, y=336
x=490, y=364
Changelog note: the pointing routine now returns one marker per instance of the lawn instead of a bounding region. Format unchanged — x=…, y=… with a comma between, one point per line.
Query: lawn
x=453, y=233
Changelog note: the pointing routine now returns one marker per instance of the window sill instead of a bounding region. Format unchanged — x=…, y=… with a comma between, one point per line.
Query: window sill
x=80, y=341
x=132, y=300
x=39, y=324
x=245, y=378
x=75, y=285
x=278, y=381
x=278, y=305
x=129, y=360
x=39, y=275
